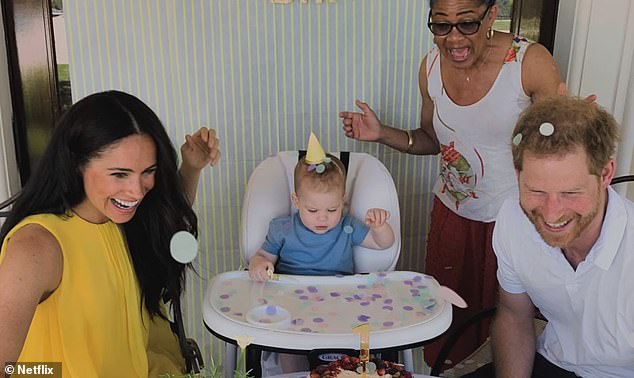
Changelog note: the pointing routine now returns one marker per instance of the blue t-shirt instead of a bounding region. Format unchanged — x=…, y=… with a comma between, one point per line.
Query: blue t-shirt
x=301, y=251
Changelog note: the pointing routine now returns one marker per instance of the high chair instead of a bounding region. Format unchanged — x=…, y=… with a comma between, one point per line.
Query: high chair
x=268, y=193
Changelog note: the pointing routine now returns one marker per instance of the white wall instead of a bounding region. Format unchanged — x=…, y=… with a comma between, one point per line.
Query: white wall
x=594, y=46
x=9, y=177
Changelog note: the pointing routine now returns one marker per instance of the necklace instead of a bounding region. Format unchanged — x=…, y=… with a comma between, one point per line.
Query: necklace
x=478, y=65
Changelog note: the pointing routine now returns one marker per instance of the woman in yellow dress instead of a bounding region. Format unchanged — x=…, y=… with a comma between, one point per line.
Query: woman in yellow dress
x=85, y=266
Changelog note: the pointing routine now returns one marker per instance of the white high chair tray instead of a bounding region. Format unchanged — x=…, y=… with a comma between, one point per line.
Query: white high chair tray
x=313, y=312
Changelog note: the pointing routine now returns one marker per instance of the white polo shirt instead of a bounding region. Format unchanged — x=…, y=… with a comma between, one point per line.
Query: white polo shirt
x=590, y=311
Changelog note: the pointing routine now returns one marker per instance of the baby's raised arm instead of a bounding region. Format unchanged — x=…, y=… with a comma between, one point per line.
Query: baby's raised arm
x=260, y=264
x=381, y=235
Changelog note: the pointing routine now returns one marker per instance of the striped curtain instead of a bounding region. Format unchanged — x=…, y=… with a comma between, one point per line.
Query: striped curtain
x=263, y=75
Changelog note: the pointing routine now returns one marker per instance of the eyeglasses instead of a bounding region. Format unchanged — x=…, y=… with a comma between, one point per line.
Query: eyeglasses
x=465, y=27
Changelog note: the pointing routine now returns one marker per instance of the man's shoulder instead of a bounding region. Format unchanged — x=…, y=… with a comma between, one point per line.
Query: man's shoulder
x=628, y=204
x=619, y=204
x=511, y=220
x=510, y=210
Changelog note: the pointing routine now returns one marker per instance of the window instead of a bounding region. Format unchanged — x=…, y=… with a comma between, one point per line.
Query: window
x=535, y=20
x=505, y=14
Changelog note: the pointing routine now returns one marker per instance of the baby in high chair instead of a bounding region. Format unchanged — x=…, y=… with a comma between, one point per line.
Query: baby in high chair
x=318, y=238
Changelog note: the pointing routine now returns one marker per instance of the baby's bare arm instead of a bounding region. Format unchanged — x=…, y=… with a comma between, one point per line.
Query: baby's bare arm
x=381, y=235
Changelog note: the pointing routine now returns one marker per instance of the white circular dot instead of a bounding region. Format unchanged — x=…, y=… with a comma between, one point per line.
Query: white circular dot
x=546, y=129
x=183, y=247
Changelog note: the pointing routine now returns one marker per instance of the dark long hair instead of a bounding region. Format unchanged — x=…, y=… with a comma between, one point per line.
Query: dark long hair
x=486, y=2
x=88, y=128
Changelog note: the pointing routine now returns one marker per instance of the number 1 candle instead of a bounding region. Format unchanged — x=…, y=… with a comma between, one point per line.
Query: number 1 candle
x=363, y=331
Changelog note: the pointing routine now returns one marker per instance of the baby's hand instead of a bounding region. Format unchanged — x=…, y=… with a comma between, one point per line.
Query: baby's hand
x=260, y=270
x=376, y=217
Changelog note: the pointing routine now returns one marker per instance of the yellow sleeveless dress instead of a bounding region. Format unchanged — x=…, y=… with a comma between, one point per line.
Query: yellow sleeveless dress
x=94, y=322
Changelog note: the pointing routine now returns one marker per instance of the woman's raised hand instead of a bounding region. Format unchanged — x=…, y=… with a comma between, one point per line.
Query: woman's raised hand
x=201, y=148
x=361, y=126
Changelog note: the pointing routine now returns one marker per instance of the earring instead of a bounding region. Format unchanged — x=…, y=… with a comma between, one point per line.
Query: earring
x=489, y=33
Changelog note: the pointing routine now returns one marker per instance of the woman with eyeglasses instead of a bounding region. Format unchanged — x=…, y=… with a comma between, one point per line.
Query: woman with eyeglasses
x=474, y=84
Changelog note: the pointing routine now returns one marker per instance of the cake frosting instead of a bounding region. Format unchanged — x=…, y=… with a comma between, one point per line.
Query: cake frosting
x=351, y=367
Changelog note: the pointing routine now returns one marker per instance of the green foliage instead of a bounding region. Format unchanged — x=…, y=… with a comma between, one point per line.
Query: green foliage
x=211, y=371
x=57, y=4
x=505, y=9
x=505, y=4
x=62, y=72
x=242, y=374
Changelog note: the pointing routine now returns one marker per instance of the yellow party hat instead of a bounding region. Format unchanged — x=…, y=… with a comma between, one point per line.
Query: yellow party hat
x=314, y=153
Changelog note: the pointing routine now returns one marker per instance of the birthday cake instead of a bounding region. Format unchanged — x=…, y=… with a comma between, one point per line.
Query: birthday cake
x=349, y=366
